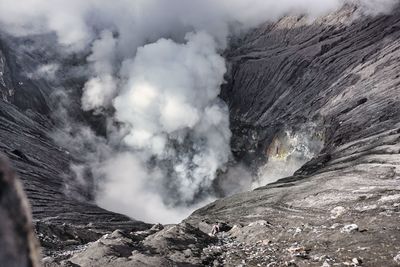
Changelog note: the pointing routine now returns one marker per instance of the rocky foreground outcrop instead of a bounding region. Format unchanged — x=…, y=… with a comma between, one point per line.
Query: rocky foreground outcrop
x=18, y=243
x=339, y=73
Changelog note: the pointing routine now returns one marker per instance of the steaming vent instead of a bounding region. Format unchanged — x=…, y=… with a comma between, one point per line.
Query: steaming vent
x=289, y=151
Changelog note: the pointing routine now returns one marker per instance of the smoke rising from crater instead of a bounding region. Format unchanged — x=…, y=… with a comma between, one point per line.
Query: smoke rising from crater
x=157, y=65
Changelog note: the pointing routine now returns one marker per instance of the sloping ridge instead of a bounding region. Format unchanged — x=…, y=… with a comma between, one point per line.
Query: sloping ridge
x=342, y=73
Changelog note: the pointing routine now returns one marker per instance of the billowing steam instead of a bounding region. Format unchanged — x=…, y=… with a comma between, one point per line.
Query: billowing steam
x=155, y=66
x=169, y=104
x=289, y=151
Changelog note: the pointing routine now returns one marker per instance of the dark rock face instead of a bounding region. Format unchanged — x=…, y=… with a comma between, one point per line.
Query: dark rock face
x=339, y=71
x=18, y=243
x=18, y=64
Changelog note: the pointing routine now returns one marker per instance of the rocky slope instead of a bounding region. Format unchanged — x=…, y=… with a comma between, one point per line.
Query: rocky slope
x=342, y=74
x=18, y=243
x=61, y=210
x=338, y=73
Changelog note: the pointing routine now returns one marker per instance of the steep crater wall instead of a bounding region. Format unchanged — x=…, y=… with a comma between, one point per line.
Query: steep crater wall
x=339, y=72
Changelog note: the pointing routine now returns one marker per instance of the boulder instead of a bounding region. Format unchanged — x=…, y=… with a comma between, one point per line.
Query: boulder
x=18, y=243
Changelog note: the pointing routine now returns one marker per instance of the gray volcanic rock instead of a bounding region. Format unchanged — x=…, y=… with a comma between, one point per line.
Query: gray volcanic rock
x=18, y=243
x=340, y=72
x=19, y=82
x=175, y=245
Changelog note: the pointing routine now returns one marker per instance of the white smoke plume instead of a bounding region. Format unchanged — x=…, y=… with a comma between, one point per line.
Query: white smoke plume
x=375, y=7
x=100, y=90
x=157, y=65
